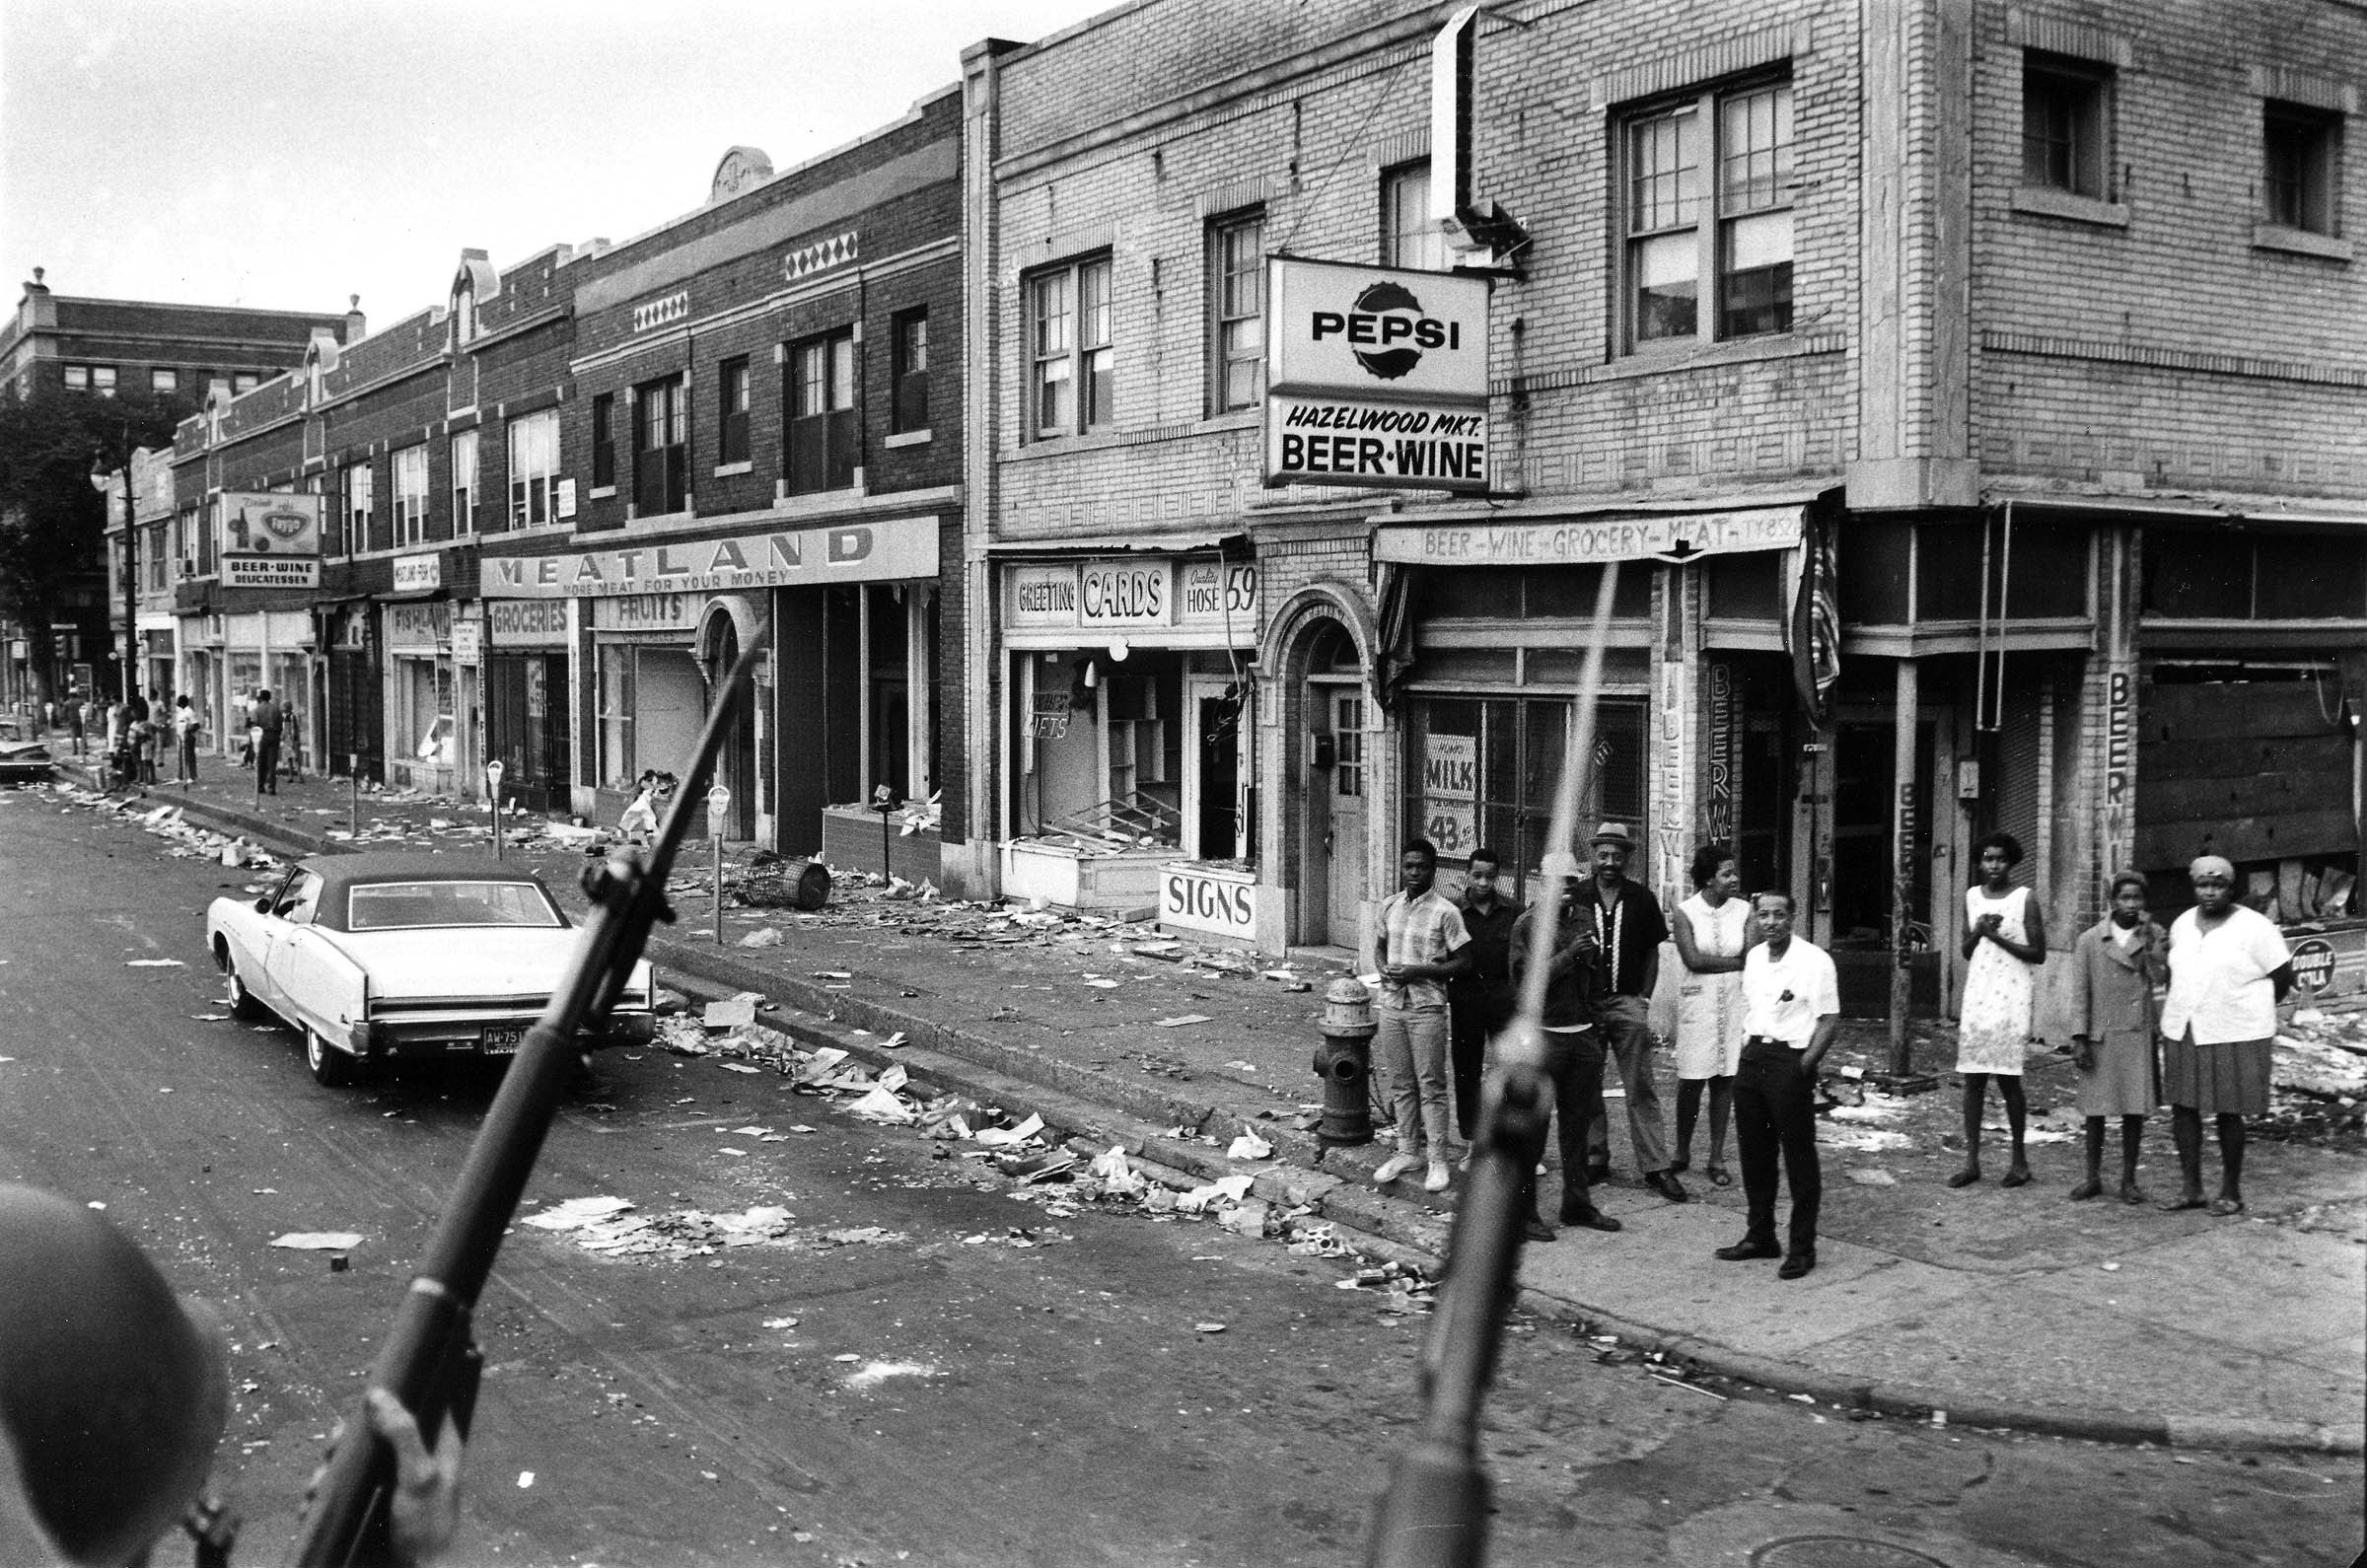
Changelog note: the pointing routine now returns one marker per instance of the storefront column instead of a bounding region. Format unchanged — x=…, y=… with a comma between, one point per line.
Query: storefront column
x=1674, y=806
x=1903, y=840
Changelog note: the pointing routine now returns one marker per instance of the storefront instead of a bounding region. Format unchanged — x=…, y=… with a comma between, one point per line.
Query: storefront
x=526, y=703
x=658, y=624
x=356, y=691
x=269, y=650
x=421, y=695
x=1127, y=717
x=2247, y=702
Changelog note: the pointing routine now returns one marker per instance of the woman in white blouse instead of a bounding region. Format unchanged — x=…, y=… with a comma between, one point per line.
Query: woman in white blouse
x=2229, y=968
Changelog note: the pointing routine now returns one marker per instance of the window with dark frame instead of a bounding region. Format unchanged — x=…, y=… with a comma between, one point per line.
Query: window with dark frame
x=2299, y=154
x=464, y=482
x=661, y=446
x=2066, y=125
x=730, y=411
x=533, y=441
x=357, y=509
x=1408, y=237
x=1237, y=301
x=1708, y=196
x=604, y=441
x=411, y=494
x=908, y=369
x=822, y=414
x=1071, y=375
x=164, y=380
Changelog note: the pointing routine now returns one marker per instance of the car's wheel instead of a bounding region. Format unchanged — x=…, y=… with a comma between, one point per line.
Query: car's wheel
x=331, y=1067
x=243, y=1003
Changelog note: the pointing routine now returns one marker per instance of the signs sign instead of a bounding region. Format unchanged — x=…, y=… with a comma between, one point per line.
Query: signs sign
x=1202, y=899
x=848, y=553
x=1666, y=537
x=1376, y=377
x=1133, y=594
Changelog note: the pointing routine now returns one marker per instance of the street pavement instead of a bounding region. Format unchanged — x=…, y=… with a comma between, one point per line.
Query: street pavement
x=925, y=1360
x=1982, y=1307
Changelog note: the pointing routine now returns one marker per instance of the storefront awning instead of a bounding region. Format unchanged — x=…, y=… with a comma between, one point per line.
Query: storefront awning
x=2313, y=515
x=1567, y=541
x=1119, y=543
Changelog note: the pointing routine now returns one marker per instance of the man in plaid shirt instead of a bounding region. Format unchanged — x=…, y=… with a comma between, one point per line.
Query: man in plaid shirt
x=1419, y=943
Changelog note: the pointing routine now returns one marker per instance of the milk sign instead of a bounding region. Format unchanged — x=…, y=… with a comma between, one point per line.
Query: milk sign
x=1451, y=793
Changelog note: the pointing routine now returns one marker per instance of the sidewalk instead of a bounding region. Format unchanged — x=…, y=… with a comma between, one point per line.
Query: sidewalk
x=2007, y=1309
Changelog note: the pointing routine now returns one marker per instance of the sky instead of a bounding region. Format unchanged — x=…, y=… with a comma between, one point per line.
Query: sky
x=286, y=154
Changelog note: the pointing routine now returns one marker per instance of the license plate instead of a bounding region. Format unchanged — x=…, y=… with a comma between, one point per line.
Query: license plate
x=504, y=1042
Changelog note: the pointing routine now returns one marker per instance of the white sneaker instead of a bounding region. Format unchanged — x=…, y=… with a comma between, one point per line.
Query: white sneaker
x=1396, y=1166
x=1439, y=1177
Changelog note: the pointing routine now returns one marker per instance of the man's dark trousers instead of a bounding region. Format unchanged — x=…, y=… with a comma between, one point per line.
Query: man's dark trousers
x=267, y=764
x=1477, y=1012
x=1574, y=1059
x=1775, y=1111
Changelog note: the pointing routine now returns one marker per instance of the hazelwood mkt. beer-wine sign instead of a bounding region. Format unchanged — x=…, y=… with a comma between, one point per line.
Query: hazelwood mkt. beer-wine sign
x=1376, y=377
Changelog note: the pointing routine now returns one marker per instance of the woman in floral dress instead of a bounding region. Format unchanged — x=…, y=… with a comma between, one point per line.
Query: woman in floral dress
x=2005, y=938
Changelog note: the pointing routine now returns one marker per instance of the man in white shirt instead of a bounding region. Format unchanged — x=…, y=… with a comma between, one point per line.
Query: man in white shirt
x=1419, y=943
x=2229, y=968
x=1791, y=1007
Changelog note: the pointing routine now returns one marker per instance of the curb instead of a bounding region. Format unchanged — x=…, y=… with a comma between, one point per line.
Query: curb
x=955, y=1060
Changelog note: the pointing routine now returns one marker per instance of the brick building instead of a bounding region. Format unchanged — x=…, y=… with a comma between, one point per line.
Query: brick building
x=56, y=343
x=2025, y=335
x=758, y=431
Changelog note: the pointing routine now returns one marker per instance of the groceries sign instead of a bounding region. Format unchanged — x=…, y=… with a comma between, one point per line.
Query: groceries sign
x=1376, y=377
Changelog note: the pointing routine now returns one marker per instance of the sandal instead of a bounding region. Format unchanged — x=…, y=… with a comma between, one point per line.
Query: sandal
x=1720, y=1176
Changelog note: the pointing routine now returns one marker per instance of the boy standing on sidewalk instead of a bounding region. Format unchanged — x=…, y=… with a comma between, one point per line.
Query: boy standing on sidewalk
x=1419, y=943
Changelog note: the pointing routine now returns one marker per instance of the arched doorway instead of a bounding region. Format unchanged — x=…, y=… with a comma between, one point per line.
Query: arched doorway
x=720, y=640
x=1336, y=803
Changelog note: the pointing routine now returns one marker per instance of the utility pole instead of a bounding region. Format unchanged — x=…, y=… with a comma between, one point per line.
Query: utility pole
x=116, y=460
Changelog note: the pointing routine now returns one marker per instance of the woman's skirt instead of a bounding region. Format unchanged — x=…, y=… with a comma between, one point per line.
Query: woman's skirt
x=2217, y=1080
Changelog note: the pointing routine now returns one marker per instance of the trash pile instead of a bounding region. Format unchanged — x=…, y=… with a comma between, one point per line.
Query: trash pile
x=612, y=1227
x=2317, y=1077
x=183, y=839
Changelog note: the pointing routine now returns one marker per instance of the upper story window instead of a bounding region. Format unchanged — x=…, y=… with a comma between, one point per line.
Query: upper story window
x=464, y=316
x=164, y=379
x=464, y=482
x=356, y=507
x=410, y=495
x=100, y=379
x=1237, y=298
x=603, y=442
x=1708, y=196
x=822, y=413
x=1071, y=380
x=730, y=411
x=2066, y=124
x=2300, y=153
x=1408, y=237
x=535, y=470
x=909, y=372
x=661, y=435
x=244, y=382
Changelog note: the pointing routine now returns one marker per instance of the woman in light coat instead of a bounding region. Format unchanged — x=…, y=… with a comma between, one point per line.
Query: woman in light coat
x=2114, y=968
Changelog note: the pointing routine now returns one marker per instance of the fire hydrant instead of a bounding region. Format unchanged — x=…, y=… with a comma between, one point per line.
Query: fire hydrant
x=1345, y=1062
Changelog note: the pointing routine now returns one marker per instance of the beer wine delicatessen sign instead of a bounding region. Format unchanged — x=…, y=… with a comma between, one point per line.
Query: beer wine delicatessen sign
x=1376, y=377
x=269, y=539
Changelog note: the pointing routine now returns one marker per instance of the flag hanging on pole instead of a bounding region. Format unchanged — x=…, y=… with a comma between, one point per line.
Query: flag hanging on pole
x=1812, y=634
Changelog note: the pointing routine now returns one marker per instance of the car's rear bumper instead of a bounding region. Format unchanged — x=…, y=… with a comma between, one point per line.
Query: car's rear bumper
x=411, y=1039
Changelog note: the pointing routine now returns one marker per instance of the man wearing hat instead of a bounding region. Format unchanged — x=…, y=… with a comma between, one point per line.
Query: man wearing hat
x=2229, y=968
x=1627, y=923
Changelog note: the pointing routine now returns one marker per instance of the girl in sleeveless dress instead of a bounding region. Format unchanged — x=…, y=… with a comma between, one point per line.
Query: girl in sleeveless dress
x=1711, y=930
x=2005, y=938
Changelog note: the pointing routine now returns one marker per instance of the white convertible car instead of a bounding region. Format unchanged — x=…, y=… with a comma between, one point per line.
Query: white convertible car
x=385, y=957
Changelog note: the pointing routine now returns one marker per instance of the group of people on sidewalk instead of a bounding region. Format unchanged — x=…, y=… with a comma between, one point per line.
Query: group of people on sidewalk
x=133, y=733
x=1758, y=1008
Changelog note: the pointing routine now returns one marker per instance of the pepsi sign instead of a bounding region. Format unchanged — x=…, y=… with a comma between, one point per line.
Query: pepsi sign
x=1373, y=333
